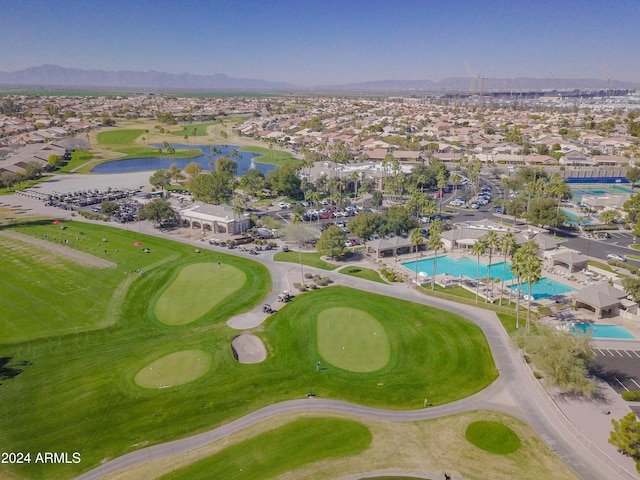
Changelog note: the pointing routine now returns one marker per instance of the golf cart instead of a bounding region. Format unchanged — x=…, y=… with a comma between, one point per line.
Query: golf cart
x=284, y=297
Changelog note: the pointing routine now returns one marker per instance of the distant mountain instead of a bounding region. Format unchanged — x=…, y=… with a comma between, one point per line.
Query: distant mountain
x=475, y=85
x=46, y=76
x=49, y=76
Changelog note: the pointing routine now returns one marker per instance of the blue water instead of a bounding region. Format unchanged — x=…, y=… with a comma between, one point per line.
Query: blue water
x=574, y=217
x=601, y=331
x=245, y=161
x=597, y=180
x=546, y=287
x=465, y=266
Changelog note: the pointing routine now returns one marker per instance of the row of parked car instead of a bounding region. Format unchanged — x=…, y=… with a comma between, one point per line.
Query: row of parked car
x=330, y=212
x=483, y=199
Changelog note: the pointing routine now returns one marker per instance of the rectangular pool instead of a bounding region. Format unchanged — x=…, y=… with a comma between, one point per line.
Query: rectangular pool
x=545, y=288
x=462, y=267
x=602, y=331
x=574, y=218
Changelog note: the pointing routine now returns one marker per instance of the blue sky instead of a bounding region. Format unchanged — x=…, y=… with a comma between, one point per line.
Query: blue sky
x=309, y=42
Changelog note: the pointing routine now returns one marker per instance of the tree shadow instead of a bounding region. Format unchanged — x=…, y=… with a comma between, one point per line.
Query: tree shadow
x=8, y=372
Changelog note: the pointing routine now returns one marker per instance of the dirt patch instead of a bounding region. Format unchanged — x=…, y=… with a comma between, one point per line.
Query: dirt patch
x=248, y=349
x=80, y=258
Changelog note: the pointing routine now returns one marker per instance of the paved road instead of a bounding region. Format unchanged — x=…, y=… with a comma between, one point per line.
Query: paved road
x=515, y=392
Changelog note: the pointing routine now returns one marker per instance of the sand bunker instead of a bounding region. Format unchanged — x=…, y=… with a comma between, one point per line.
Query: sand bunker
x=69, y=253
x=248, y=349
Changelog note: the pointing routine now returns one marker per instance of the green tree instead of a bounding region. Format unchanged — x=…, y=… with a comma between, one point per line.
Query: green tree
x=109, y=207
x=435, y=243
x=332, y=243
x=252, y=182
x=364, y=225
x=492, y=241
x=632, y=286
x=376, y=199
x=608, y=216
x=175, y=172
x=227, y=166
x=633, y=175
x=625, y=436
x=632, y=208
x=213, y=188
x=284, y=180
x=479, y=248
x=508, y=246
x=160, y=179
x=531, y=270
x=54, y=161
x=417, y=240
x=157, y=210
x=193, y=169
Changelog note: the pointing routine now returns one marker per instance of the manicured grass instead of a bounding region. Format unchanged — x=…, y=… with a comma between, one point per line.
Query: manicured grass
x=87, y=396
x=174, y=369
x=281, y=450
x=365, y=273
x=352, y=340
x=492, y=437
x=201, y=286
x=434, y=445
x=193, y=130
x=78, y=158
x=635, y=246
x=45, y=294
x=312, y=259
x=275, y=157
x=602, y=266
x=119, y=136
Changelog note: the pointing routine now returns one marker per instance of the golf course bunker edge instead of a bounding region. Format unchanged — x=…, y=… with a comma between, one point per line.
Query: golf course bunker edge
x=174, y=369
x=248, y=349
x=352, y=340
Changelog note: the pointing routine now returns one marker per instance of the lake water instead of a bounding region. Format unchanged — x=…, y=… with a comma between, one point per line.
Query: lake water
x=245, y=160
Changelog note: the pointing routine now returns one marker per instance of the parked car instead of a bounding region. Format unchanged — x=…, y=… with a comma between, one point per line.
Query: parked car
x=615, y=256
x=283, y=205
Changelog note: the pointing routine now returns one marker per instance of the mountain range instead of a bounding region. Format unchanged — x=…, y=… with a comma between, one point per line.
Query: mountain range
x=52, y=76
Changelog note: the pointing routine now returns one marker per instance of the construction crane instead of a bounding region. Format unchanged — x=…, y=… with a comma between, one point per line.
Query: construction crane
x=555, y=82
x=608, y=81
x=471, y=78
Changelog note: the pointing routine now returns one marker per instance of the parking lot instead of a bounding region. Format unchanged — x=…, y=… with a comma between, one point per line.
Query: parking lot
x=618, y=367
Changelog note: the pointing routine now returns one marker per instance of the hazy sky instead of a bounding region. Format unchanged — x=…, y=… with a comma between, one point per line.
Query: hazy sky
x=309, y=42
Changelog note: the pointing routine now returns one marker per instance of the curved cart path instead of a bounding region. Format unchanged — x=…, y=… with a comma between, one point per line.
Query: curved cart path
x=515, y=392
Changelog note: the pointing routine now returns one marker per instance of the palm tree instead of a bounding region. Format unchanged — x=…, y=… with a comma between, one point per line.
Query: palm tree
x=455, y=180
x=491, y=239
x=442, y=182
x=297, y=220
x=238, y=208
x=479, y=248
x=531, y=270
x=435, y=243
x=507, y=245
x=417, y=240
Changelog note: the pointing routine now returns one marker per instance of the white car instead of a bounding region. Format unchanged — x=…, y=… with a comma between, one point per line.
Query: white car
x=283, y=205
x=615, y=256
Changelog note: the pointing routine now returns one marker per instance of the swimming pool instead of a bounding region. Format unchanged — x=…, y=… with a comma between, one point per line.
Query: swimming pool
x=574, y=217
x=545, y=288
x=602, y=331
x=461, y=267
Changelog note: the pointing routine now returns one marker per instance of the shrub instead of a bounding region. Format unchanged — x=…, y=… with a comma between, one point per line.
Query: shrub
x=308, y=275
x=538, y=375
x=313, y=286
x=632, y=396
x=527, y=358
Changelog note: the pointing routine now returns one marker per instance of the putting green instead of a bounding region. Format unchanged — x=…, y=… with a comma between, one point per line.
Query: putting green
x=353, y=340
x=195, y=290
x=174, y=369
x=492, y=437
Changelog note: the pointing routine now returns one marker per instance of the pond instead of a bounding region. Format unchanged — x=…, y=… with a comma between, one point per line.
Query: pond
x=245, y=160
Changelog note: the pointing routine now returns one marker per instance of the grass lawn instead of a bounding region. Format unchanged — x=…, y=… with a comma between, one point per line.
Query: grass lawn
x=353, y=340
x=87, y=397
x=204, y=285
x=119, y=136
x=601, y=265
x=174, y=369
x=193, y=130
x=312, y=259
x=274, y=157
x=492, y=437
x=281, y=450
x=365, y=273
x=78, y=158
x=432, y=446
